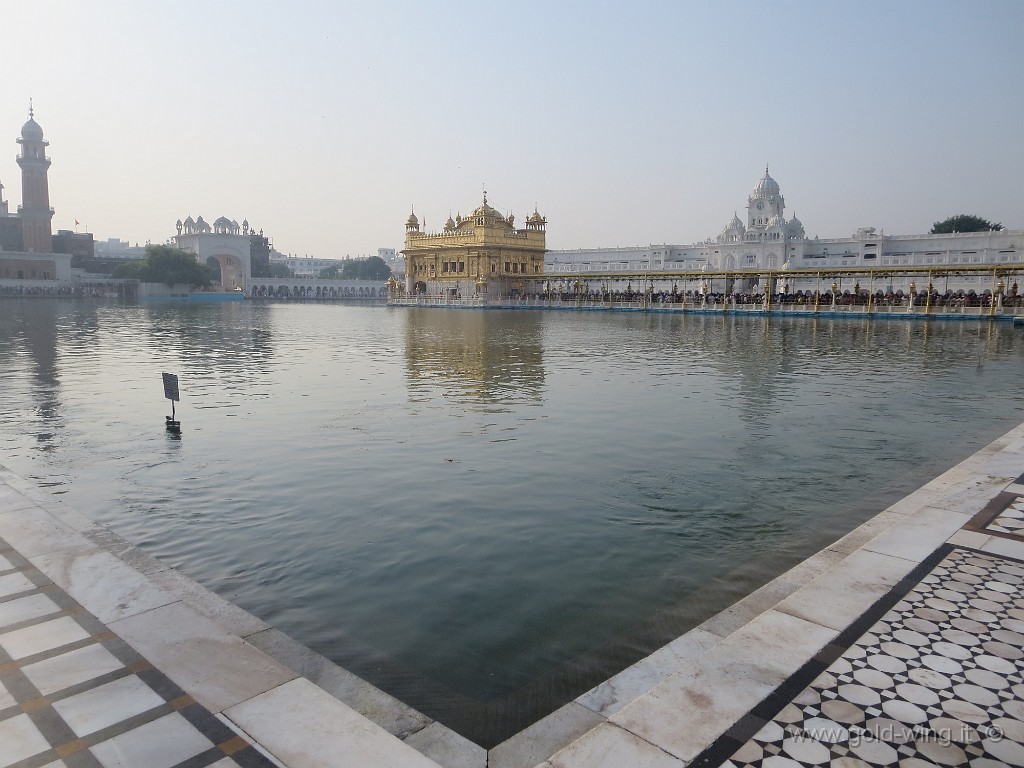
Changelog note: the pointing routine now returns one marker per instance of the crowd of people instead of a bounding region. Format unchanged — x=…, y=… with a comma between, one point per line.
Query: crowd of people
x=62, y=291
x=309, y=292
x=858, y=297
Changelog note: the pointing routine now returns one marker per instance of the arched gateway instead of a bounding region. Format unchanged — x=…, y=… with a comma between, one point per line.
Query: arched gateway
x=227, y=244
x=231, y=252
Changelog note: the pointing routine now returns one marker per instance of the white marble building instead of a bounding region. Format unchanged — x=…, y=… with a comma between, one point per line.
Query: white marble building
x=768, y=241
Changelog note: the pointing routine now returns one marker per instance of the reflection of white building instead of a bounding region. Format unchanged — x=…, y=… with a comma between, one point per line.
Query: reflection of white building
x=768, y=241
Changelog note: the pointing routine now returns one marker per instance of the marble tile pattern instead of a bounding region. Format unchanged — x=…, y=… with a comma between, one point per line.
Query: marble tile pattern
x=939, y=679
x=74, y=694
x=1011, y=520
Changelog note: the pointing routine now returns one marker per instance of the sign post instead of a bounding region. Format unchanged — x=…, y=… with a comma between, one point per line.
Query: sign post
x=171, y=393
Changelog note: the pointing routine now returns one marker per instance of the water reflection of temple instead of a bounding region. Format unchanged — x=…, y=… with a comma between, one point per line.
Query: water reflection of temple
x=479, y=357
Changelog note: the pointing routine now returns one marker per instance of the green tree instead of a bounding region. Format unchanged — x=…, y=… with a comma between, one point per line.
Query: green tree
x=129, y=270
x=370, y=268
x=277, y=269
x=164, y=264
x=964, y=223
x=329, y=273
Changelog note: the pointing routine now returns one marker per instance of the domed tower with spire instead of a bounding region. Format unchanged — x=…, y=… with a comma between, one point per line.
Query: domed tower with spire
x=764, y=203
x=35, y=211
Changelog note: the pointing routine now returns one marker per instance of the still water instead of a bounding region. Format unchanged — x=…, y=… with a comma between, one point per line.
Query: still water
x=487, y=512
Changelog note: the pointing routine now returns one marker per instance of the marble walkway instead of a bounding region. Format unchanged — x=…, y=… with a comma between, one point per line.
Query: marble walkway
x=902, y=644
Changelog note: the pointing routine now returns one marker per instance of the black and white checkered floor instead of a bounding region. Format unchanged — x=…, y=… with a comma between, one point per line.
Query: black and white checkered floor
x=937, y=680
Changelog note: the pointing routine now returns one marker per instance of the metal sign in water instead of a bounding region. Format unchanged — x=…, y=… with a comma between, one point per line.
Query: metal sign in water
x=171, y=387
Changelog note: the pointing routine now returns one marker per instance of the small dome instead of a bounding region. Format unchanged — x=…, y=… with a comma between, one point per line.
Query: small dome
x=535, y=218
x=795, y=229
x=766, y=186
x=200, y=220
x=450, y=224
x=412, y=221
x=31, y=131
x=735, y=223
x=189, y=222
x=223, y=221
x=486, y=210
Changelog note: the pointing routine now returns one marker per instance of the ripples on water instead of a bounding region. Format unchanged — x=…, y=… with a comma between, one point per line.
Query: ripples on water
x=479, y=506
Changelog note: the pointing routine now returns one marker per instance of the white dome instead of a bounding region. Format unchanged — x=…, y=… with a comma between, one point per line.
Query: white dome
x=795, y=228
x=31, y=131
x=766, y=186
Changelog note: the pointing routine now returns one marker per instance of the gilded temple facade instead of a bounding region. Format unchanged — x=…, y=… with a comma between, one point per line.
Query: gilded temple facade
x=481, y=253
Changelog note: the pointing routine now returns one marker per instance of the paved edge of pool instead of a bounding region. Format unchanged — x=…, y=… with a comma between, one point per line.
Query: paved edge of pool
x=669, y=707
x=295, y=705
x=301, y=708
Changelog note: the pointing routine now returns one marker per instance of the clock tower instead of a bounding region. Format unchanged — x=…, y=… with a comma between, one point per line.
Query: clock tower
x=764, y=203
x=35, y=210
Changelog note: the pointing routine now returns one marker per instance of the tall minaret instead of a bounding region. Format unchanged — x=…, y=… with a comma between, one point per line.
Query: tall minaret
x=35, y=208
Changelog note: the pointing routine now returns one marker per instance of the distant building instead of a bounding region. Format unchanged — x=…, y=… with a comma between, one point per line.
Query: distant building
x=26, y=239
x=306, y=266
x=35, y=210
x=113, y=248
x=259, y=254
x=482, y=253
x=10, y=227
x=394, y=260
x=79, y=245
x=239, y=251
x=767, y=241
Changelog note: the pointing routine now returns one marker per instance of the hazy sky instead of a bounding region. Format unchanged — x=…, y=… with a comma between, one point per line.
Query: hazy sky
x=626, y=123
